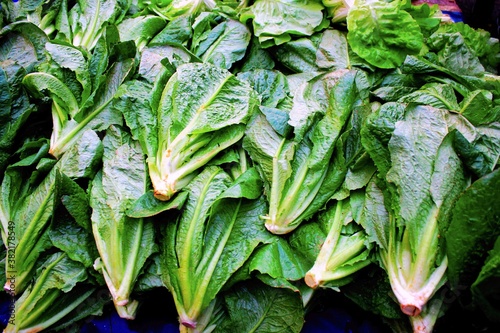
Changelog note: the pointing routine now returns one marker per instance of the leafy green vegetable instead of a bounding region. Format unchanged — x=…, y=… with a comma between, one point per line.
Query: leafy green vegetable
x=295, y=169
x=172, y=9
x=19, y=54
x=124, y=243
x=72, y=117
x=343, y=252
x=382, y=32
x=26, y=214
x=274, y=22
x=255, y=307
x=52, y=297
x=215, y=234
x=472, y=230
x=367, y=131
x=202, y=111
x=410, y=249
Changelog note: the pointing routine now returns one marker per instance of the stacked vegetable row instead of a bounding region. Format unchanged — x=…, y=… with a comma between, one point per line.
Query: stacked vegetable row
x=246, y=156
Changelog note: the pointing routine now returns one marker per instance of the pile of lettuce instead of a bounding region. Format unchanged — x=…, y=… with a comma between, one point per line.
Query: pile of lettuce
x=248, y=157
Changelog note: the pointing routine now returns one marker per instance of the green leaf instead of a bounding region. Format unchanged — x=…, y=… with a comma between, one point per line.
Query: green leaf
x=23, y=42
x=295, y=169
x=434, y=94
x=83, y=158
x=257, y=57
x=68, y=56
x=343, y=251
x=478, y=108
x=333, y=51
x=374, y=216
x=272, y=86
x=253, y=307
x=148, y=205
x=15, y=108
x=382, y=33
x=299, y=55
x=225, y=44
x=179, y=8
x=141, y=29
x=212, y=238
x=203, y=111
x=88, y=20
x=153, y=58
x=53, y=295
x=275, y=21
x=425, y=128
x=280, y=262
x=177, y=31
x=28, y=230
x=473, y=230
x=134, y=101
x=484, y=289
x=124, y=243
x=62, y=96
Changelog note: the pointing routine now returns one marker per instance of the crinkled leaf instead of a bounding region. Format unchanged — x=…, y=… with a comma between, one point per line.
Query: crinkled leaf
x=275, y=21
x=225, y=44
x=333, y=51
x=83, y=158
x=55, y=292
x=299, y=55
x=382, y=33
x=473, y=229
x=151, y=65
x=254, y=307
x=420, y=135
x=124, y=243
x=434, y=94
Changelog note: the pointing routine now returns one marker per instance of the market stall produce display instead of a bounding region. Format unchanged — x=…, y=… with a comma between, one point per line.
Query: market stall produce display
x=251, y=162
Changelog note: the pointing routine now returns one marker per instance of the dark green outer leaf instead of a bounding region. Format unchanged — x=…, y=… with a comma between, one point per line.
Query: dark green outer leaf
x=473, y=229
x=147, y=205
x=33, y=42
x=133, y=100
x=478, y=108
x=271, y=85
x=177, y=31
x=299, y=55
x=229, y=46
x=278, y=260
x=254, y=307
x=241, y=219
x=485, y=289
